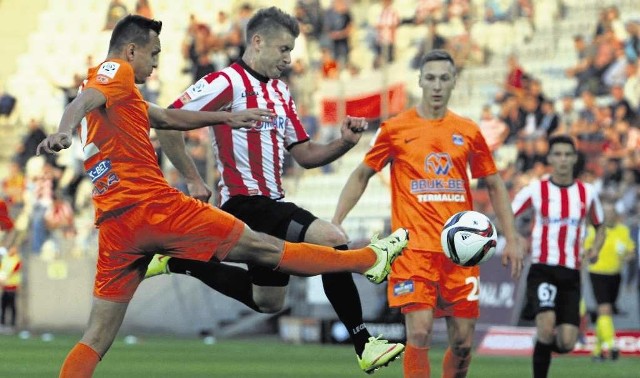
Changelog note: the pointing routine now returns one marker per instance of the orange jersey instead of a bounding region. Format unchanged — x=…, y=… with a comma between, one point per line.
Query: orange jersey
x=118, y=155
x=429, y=179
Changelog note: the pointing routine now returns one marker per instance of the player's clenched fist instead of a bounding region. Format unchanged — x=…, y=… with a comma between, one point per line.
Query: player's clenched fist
x=54, y=143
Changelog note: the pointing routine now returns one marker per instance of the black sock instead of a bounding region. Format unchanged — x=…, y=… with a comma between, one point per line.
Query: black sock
x=229, y=280
x=343, y=295
x=541, y=359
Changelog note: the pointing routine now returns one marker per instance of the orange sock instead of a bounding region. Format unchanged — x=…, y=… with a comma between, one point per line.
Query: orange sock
x=454, y=366
x=311, y=259
x=416, y=362
x=80, y=362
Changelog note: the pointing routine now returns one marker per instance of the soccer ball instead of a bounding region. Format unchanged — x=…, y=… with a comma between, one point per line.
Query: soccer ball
x=469, y=238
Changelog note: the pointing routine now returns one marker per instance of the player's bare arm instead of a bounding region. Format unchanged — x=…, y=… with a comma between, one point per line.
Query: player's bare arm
x=179, y=119
x=311, y=154
x=513, y=251
x=85, y=102
x=352, y=191
x=591, y=255
x=172, y=143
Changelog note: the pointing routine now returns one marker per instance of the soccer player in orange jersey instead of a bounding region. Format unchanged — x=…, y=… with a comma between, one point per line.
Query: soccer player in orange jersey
x=139, y=214
x=429, y=149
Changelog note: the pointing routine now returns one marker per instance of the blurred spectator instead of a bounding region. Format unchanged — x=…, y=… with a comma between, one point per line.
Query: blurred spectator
x=550, y=119
x=580, y=71
x=222, y=48
x=632, y=86
x=568, y=114
x=615, y=24
x=496, y=10
x=7, y=227
x=514, y=84
x=510, y=115
x=13, y=185
x=632, y=42
x=59, y=220
x=529, y=155
x=464, y=49
x=429, y=11
x=310, y=15
x=620, y=106
x=328, y=65
x=10, y=280
x=338, y=26
x=143, y=8
x=494, y=130
x=115, y=12
x=386, y=27
x=238, y=37
x=432, y=41
x=27, y=147
x=616, y=72
x=150, y=90
x=196, y=49
x=7, y=104
x=530, y=117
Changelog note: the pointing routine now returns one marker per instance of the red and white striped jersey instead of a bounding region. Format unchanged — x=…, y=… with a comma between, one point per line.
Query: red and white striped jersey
x=560, y=215
x=250, y=161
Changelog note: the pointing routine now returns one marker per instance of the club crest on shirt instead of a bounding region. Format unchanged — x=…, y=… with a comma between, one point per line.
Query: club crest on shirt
x=185, y=98
x=457, y=139
x=108, y=69
x=402, y=288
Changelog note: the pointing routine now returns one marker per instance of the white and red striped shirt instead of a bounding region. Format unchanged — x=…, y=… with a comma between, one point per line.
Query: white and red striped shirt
x=250, y=161
x=560, y=215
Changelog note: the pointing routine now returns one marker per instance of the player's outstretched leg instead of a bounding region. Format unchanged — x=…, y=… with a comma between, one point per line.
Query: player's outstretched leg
x=387, y=250
x=377, y=353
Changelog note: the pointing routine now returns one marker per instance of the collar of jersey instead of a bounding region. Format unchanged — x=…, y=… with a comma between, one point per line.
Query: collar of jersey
x=253, y=73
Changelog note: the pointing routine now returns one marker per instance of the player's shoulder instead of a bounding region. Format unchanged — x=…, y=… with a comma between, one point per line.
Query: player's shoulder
x=456, y=118
x=399, y=121
x=109, y=69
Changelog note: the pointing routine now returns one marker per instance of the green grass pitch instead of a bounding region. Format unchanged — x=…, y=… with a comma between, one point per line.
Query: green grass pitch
x=158, y=356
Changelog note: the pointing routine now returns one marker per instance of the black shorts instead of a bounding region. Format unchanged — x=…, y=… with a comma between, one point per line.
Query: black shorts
x=553, y=288
x=606, y=287
x=284, y=220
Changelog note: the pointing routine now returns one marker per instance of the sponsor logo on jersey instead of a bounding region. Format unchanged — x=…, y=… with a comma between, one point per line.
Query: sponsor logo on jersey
x=99, y=170
x=403, y=288
x=251, y=94
x=278, y=123
x=438, y=189
x=108, y=69
x=457, y=139
x=438, y=163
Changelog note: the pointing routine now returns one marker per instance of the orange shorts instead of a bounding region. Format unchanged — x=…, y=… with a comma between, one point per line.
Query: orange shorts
x=172, y=224
x=429, y=280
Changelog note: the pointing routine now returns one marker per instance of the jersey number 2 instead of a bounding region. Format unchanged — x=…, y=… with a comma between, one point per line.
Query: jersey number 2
x=475, y=282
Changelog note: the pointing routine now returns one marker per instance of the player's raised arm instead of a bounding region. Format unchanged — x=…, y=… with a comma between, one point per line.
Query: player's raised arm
x=85, y=102
x=178, y=119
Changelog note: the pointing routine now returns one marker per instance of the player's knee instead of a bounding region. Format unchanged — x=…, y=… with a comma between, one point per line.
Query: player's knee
x=269, y=306
x=419, y=338
x=330, y=236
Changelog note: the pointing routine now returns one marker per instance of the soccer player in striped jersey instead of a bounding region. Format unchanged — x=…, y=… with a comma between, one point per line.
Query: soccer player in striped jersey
x=562, y=205
x=433, y=153
x=138, y=213
x=250, y=162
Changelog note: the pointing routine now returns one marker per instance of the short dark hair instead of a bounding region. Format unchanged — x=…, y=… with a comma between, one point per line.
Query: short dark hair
x=436, y=55
x=133, y=28
x=563, y=139
x=267, y=19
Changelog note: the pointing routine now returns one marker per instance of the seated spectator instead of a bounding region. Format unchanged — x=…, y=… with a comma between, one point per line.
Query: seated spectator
x=494, y=130
x=620, y=106
x=117, y=9
x=632, y=42
x=338, y=26
x=429, y=11
x=550, y=120
x=568, y=115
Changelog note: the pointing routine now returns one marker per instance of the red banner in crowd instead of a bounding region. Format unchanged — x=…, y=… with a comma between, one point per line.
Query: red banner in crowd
x=363, y=98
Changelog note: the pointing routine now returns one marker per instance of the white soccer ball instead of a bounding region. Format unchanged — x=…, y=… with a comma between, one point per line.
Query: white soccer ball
x=469, y=238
